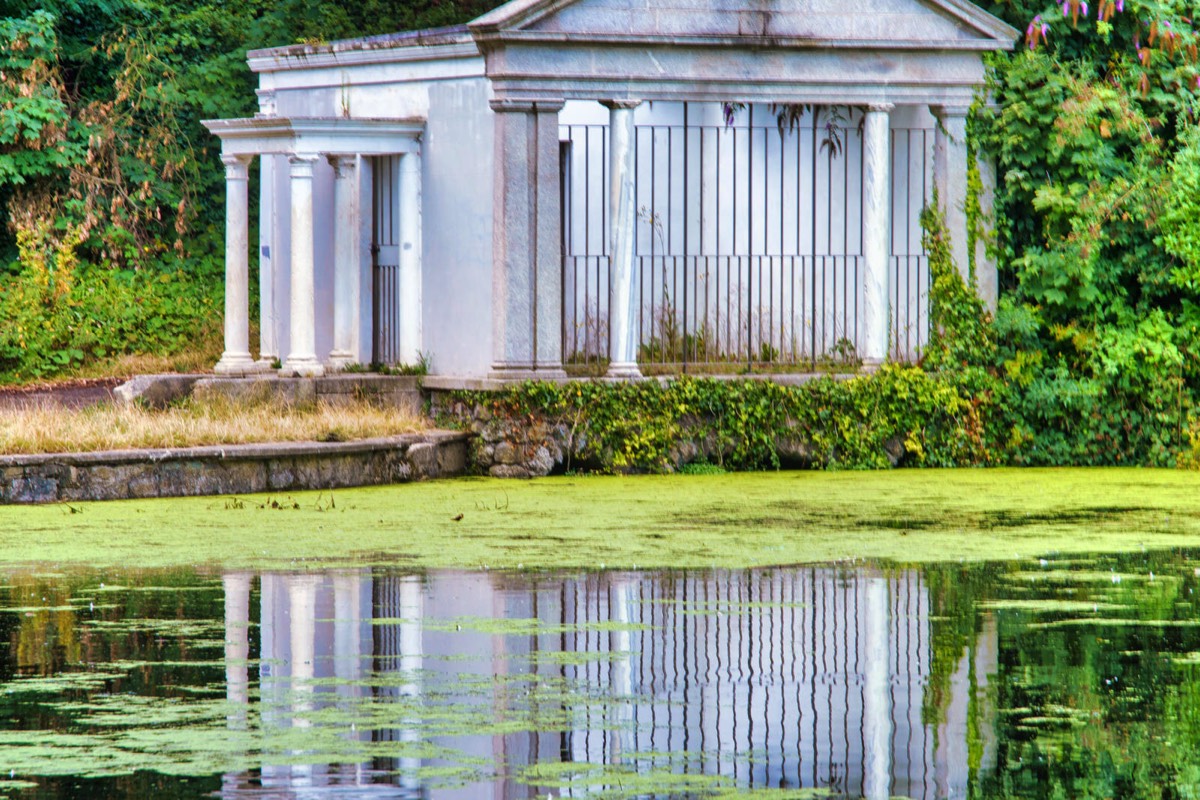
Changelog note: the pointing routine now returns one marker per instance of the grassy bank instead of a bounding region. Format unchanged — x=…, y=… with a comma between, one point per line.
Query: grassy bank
x=214, y=421
x=729, y=521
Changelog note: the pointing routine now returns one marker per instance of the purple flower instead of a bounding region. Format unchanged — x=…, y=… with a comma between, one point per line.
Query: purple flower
x=1066, y=7
x=1120, y=5
x=1084, y=7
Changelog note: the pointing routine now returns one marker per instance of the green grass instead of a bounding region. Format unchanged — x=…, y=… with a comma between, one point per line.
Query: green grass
x=739, y=520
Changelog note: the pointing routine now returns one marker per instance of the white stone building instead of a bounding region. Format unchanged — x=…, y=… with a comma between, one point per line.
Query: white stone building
x=556, y=183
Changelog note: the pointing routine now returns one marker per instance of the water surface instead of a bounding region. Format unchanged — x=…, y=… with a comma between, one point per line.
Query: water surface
x=1055, y=677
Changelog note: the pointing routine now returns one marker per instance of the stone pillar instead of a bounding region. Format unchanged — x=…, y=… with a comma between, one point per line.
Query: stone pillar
x=877, y=230
x=526, y=244
x=302, y=360
x=346, y=269
x=236, y=359
x=623, y=306
x=548, y=270
x=877, y=707
x=409, y=192
x=987, y=279
x=950, y=178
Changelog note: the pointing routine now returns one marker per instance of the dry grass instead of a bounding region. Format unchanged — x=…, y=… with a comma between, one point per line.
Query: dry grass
x=212, y=421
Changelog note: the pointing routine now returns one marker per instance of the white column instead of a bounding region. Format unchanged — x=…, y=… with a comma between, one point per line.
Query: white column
x=950, y=178
x=347, y=293
x=268, y=231
x=236, y=359
x=877, y=230
x=877, y=708
x=409, y=192
x=302, y=360
x=623, y=328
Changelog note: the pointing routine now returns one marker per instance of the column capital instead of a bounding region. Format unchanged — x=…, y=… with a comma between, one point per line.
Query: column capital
x=237, y=166
x=343, y=165
x=624, y=103
x=880, y=108
x=943, y=112
x=526, y=106
x=512, y=105
x=302, y=164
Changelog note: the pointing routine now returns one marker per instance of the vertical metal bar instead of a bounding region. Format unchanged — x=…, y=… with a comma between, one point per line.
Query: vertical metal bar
x=750, y=239
x=846, y=285
x=813, y=200
x=734, y=247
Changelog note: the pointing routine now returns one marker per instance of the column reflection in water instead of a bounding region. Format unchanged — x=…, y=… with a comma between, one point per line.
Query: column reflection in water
x=237, y=658
x=877, y=723
x=812, y=677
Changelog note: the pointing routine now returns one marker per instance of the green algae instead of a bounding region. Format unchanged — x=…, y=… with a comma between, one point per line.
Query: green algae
x=1051, y=606
x=739, y=520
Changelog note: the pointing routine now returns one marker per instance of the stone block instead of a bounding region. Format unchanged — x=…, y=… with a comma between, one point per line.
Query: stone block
x=32, y=488
x=144, y=482
x=508, y=471
x=281, y=474
x=506, y=453
x=156, y=391
x=452, y=458
x=541, y=464
x=109, y=481
x=423, y=458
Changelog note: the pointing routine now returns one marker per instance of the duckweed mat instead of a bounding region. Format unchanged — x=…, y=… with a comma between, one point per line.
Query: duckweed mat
x=701, y=521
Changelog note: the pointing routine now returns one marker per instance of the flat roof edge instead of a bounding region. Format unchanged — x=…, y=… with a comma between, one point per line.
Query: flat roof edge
x=429, y=37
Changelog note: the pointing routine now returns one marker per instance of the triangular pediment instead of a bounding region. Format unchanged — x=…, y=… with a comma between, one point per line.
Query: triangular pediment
x=869, y=23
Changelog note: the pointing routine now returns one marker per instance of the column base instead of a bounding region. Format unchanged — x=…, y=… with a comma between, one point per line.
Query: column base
x=339, y=360
x=526, y=372
x=236, y=364
x=303, y=367
x=268, y=362
x=623, y=371
x=870, y=366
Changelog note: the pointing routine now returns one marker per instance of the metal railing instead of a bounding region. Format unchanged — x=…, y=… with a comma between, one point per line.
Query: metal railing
x=385, y=262
x=749, y=245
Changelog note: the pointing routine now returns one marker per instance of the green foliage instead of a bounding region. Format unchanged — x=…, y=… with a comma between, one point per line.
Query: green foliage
x=959, y=325
x=900, y=415
x=103, y=160
x=1096, y=232
x=60, y=315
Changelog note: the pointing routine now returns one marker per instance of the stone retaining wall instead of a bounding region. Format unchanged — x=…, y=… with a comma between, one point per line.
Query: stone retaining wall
x=231, y=469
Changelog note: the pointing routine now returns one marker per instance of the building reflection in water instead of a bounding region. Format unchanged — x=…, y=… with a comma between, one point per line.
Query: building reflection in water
x=810, y=677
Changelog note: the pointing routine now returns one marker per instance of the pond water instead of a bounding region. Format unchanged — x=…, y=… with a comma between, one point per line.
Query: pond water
x=1055, y=677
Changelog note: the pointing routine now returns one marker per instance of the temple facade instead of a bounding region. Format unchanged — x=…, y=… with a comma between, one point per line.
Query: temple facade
x=609, y=184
